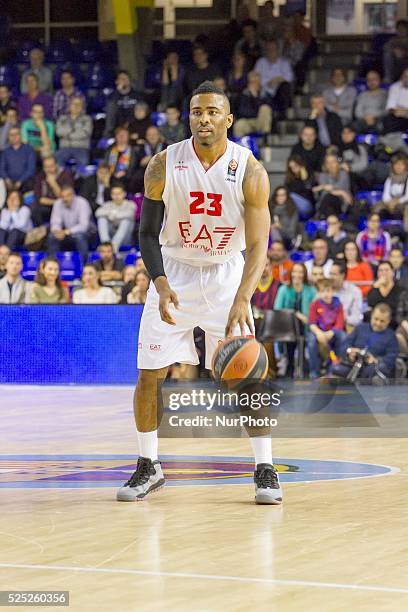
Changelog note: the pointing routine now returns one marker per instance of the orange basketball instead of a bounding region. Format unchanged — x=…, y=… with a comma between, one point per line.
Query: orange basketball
x=239, y=359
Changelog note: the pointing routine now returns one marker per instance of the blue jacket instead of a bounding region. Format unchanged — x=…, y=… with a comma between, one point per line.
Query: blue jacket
x=18, y=164
x=383, y=345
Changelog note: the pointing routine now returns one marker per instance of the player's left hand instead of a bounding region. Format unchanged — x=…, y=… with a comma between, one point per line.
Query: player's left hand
x=239, y=315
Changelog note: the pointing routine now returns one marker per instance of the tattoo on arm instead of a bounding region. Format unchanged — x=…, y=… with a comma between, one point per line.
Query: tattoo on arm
x=155, y=176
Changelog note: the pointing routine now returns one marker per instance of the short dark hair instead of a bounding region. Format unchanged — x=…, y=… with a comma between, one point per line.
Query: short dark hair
x=32, y=74
x=107, y=243
x=208, y=87
x=122, y=71
x=324, y=283
x=385, y=262
x=341, y=266
x=68, y=71
x=384, y=308
x=67, y=186
x=13, y=254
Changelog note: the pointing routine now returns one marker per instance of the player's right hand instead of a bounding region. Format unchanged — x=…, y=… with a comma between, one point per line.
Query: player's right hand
x=166, y=297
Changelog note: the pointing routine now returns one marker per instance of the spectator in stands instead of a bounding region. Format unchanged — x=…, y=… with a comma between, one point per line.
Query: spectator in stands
x=354, y=156
x=47, y=189
x=13, y=288
x=310, y=150
x=153, y=145
x=300, y=183
x=386, y=290
x=173, y=130
x=336, y=237
x=71, y=224
x=281, y=265
x=39, y=132
x=4, y=254
x=119, y=109
x=400, y=266
x=93, y=292
x=15, y=221
x=121, y=157
x=370, y=107
x=237, y=75
x=395, y=194
x=253, y=111
x=108, y=265
x=303, y=35
x=334, y=195
x=402, y=320
x=138, y=125
x=34, y=96
x=6, y=103
x=374, y=243
x=11, y=121
x=96, y=188
x=63, y=97
x=327, y=124
x=395, y=52
x=138, y=294
x=397, y=106
x=74, y=131
x=316, y=275
x=47, y=287
x=201, y=71
x=172, y=80
x=284, y=217
x=276, y=77
x=357, y=271
x=116, y=218
x=129, y=278
x=348, y=294
x=270, y=26
x=293, y=50
x=265, y=293
x=340, y=97
x=296, y=296
x=17, y=162
x=249, y=44
x=326, y=325
x=379, y=339
x=320, y=252
x=43, y=73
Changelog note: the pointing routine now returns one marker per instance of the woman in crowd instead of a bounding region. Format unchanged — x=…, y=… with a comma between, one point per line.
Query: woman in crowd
x=354, y=156
x=296, y=296
x=339, y=97
x=284, y=217
x=236, y=80
x=386, y=290
x=121, y=157
x=128, y=277
x=172, y=79
x=138, y=294
x=47, y=288
x=358, y=272
x=334, y=196
x=93, y=292
x=395, y=195
x=15, y=221
x=138, y=126
x=374, y=243
x=336, y=237
x=299, y=184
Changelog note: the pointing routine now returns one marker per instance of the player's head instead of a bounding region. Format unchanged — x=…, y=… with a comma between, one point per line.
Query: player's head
x=210, y=114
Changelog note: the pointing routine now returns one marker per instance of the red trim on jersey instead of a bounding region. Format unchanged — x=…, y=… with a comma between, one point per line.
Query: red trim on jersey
x=214, y=162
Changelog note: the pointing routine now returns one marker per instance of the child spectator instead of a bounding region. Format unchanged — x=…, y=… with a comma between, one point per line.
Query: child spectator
x=34, y=96
x=358, y=272
x=140, y=122
x=374, y=243
x=17, y=162
x=47, y=189
x=326, y=325
x=47, y=287
x=284, y=217
x=74, y=131
x=173, y=130
x=93, y=292
x=108, y=265
x=38, y=132
x=339, y=97
x=15, y=221
x=116, y=218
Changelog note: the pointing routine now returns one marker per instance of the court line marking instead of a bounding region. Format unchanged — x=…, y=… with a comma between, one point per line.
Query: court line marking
x=248, y=579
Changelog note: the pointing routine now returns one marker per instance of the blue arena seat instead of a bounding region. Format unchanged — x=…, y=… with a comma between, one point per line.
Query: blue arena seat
x=10, y=76
x=23, y=51
x=250, y=142
x=99, y=76
x=153, y=76
x=59, y=52
x=31, y=259
x=301, y=256
x=371, y=197
x=131, y=258
x=93, y=257
x=88, y=51
x=368, y=139
x=105, y=143
x=312, y=227
x=70, y=265
x=360, y=85
x=96, y=99
x=158, y=118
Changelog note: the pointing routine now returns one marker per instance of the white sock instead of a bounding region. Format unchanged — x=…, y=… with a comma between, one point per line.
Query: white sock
x=148, y=444
x=262, y=449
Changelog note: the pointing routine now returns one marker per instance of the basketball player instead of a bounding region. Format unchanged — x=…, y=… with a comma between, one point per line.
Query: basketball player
x=206, y=201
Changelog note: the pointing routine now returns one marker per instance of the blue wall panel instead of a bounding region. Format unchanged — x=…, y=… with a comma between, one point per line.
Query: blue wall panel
x=69, y=344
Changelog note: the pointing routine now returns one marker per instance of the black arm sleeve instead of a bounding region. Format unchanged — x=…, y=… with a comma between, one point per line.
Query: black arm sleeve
x=151, y=220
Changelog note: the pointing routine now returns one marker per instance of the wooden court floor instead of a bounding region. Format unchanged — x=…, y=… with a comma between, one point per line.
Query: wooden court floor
x=336, y=544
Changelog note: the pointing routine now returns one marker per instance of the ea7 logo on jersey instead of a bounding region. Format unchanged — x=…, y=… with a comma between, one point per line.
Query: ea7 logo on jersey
x=210, y=242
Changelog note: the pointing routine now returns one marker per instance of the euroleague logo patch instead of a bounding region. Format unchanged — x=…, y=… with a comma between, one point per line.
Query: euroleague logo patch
x=232, y=167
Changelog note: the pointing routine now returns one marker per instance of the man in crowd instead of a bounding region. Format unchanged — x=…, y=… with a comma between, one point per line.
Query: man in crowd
x=349, y=295
x=63, y=96
x=4, y=254
x=96, y=188
x=320, y=252
x=310, y=149
x=249, y=44
x=370, y=107
x=397, y=106
x=74, y=130
x=17, y=162
x=281, y=265
x=380, y=342
x=109, y=266
x=47, y=189
x=71, y=226
x=276, y=77
x=254, y=113
x=43, y=74
x=201, y=71
x=395, y=52
x=327, y=124
x=119, y=109
x=39, y=132
x=5, y=103
x=34, y=96
x=400, y=266
x=13, y=287
x=116, y=218
x=173, y=130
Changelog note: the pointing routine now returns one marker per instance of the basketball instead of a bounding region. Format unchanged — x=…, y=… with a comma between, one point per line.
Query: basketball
x=240, y=359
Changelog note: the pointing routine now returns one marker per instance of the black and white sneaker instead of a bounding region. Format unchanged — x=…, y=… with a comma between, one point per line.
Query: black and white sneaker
x=267, y=486
x=147, y=478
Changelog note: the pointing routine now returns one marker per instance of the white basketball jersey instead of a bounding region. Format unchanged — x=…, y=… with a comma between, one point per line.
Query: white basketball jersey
x=204, y=209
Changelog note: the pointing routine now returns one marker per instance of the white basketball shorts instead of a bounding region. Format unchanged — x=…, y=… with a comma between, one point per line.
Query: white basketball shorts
x=205, y=297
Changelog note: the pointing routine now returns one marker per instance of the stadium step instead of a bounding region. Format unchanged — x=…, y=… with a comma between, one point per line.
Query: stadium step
x=290, y=126
x=319, y=78
x=276, y=179
x=336, y=60
x=282, y=139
